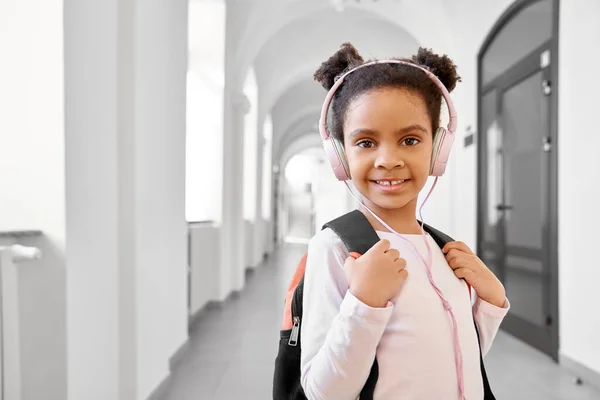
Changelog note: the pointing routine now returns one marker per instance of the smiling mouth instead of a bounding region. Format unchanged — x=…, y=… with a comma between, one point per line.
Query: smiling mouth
x=390, y=182
x=390, y=185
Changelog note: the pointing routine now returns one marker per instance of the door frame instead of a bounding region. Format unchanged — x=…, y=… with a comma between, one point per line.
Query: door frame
x=552, y=252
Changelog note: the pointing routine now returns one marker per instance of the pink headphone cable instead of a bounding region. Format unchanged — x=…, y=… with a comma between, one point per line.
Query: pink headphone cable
x=457, y=348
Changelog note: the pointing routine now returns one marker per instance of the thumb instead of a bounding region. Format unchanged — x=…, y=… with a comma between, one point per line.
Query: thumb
x=349, y=267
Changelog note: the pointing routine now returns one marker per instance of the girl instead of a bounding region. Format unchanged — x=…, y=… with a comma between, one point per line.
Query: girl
x=392, y=303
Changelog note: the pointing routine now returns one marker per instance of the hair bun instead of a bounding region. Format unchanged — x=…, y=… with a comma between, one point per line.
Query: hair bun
x=441, y=66
x=345, y=58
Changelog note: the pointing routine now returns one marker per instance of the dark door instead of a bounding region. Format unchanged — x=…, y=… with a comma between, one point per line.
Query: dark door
x=517, y=194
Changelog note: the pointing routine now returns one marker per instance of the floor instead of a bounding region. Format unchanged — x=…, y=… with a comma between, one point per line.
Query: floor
x=233, y=348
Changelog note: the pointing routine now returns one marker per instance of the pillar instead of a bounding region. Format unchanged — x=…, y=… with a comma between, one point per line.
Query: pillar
x=125, y=70
x=232, y=227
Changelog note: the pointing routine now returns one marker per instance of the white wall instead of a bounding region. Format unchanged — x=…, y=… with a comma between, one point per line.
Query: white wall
x=125, y=188
x=204, y=263
x=578, y=166
x=32, y=187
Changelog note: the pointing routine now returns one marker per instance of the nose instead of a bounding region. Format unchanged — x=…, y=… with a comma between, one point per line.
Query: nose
x=389, y=157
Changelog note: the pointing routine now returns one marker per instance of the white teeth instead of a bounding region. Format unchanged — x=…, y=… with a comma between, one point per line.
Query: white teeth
x=388, y=183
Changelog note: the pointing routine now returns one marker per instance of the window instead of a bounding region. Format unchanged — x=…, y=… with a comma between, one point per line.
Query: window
x=204, y=130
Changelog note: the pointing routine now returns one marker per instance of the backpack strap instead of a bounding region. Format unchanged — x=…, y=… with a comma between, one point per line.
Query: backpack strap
x=358, y=235
x=355, y=230
x=441, y=239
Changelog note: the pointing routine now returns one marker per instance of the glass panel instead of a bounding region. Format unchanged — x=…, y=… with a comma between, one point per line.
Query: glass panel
x=493, y=169
x=525, y=32
x=523, y=131
x=522, y=126
x=527, y=265
x=525, y=290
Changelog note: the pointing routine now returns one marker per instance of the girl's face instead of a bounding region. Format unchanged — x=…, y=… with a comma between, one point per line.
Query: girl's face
x=388, y=143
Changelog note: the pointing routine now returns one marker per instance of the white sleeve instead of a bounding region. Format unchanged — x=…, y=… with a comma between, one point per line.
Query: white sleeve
x=339, y=334
x=488, y=318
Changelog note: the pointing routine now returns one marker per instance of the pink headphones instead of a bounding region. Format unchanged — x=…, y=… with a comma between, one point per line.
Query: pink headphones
x=441, y=146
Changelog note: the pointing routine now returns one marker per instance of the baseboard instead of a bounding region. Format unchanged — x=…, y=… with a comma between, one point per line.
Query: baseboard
x=179, y=355
x=586, y=375
x=211, y=305
x=160, y=393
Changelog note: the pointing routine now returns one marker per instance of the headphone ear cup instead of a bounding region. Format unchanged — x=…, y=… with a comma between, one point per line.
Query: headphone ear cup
x=442, y=144
x=344, y=161
x=337, y=158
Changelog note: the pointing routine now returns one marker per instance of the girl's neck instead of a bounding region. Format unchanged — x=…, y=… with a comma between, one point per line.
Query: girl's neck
x=402, y=220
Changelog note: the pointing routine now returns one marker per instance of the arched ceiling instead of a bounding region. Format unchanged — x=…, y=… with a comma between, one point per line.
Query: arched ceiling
x=308, y=142
x=286, y=40
x=259, y=22
x=301, y=101
x=303, y=126
x=286, y=63
x=294, y=52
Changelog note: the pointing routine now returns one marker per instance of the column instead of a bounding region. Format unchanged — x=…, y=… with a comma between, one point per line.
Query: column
x=260, y=225
x=232, y=228
x=125, y=70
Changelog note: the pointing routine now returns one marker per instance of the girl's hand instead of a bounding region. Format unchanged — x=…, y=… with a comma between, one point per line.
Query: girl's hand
x=377, y=275
x=468, y=266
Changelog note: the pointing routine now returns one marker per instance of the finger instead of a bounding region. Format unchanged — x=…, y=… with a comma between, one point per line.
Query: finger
x=349, y=264
x=458, y=246
x=456, y=263
x=393, y=254
x=402, y=274
x=381, y=246
x=452, y=255
x=348, y=269
x=401, y=262
x=463, y=273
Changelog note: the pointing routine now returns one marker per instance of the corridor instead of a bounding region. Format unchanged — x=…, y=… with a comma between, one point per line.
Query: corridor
x=233, y=347
x=164, y=165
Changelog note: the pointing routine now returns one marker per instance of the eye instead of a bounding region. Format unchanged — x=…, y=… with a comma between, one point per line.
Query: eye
x=365, y=144
x=411, y=141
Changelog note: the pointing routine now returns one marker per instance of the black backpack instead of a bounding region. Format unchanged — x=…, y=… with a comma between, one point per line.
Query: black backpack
x=358, y=235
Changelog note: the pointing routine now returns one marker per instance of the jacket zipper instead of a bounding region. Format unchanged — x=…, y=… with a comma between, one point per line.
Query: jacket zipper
x=295, y=330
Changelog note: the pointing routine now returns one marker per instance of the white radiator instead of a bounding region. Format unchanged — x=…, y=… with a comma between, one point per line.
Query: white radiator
x=10, y=362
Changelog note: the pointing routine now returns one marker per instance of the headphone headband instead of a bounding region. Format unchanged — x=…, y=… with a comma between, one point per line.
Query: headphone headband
x=451, y=110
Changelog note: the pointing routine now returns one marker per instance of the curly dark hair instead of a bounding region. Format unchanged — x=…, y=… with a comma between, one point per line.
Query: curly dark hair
x=384, y=76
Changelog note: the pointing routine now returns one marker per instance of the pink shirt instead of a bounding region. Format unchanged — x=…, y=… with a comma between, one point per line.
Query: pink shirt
x=412, y=336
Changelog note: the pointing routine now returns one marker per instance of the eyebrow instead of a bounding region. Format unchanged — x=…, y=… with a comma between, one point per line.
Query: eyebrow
x=401, y=131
